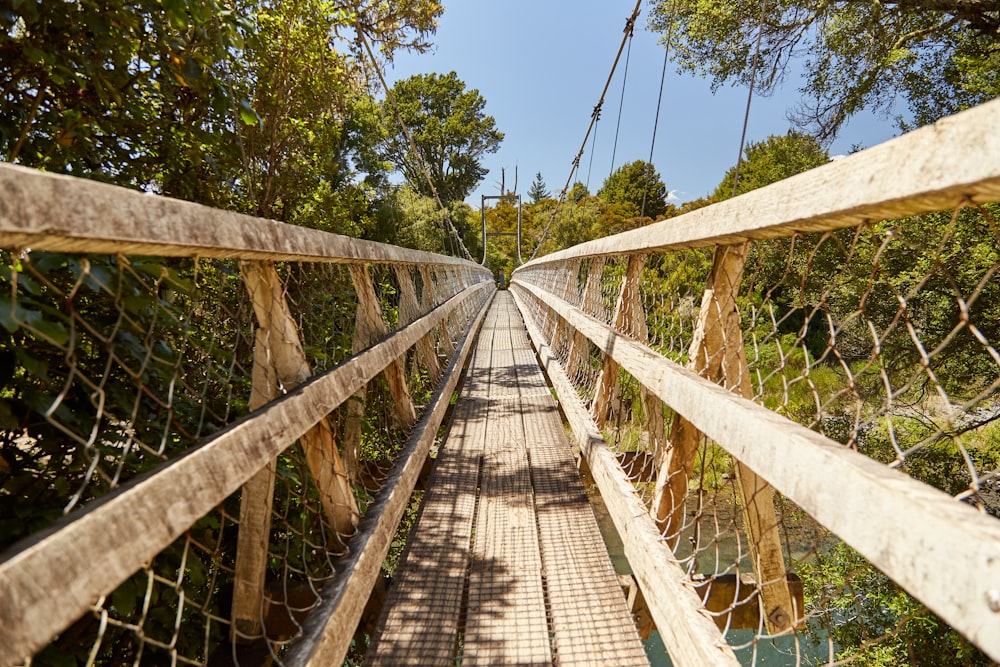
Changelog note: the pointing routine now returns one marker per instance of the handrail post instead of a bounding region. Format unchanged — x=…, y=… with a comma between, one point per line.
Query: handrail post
x=368, y=328
x=589, y=302
x=570, y=272
x=431, y=297
x=256, y=501
x=409, y=311
x=717, y=353
x=628, y=311
x=279, y=363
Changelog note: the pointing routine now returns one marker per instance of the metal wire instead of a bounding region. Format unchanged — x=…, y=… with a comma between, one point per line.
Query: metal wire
x=883, y=338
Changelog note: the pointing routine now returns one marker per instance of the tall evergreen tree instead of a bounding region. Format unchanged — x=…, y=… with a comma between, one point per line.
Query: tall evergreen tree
x=538, y=191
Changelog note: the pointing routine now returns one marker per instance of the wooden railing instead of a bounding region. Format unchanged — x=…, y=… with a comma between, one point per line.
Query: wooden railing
x=143, y=440
x=652, y=385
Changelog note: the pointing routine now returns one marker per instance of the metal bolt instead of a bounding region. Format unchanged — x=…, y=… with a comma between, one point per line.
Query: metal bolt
x=993, y=600
x=779, y=618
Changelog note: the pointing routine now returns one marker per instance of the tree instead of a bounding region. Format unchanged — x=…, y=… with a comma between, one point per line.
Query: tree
x=771, y=160
x=125, y=92
x=639, y=185
x=538, y=191
x=940, y=55
x=450, y=130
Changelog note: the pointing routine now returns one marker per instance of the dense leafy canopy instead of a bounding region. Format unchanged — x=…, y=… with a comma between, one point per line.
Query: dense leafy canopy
x=939, y=55
x=450, y=131
x=639, y=187
x=775, y=158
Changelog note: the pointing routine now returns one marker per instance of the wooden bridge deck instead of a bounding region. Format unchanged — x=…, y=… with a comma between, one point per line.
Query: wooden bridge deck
x=506, y=564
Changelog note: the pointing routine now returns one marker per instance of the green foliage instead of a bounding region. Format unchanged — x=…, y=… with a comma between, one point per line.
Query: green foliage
x=126, y=92
x=874, y=622
x=771, y=160
x=638, y=187
x=940, y=56
x=450, y=130
x=538, y=191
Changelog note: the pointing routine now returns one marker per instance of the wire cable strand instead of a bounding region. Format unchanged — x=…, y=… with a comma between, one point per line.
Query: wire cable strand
x=450, y=227
x=659, y=102
x=629, y=25
x=753, y=81
x=621, y=101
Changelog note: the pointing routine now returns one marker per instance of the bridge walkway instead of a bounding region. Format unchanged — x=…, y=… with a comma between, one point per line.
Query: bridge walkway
x=506, y=564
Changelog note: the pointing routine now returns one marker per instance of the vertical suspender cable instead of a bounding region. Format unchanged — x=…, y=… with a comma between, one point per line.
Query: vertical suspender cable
x=630, y=30
x=753, y=80
x=593, y=119
x=659, y=101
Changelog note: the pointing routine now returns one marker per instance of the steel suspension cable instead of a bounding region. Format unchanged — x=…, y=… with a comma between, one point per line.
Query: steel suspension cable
x=629, y=24
x=659, y=102
x=450, y=227
x=621, y=102
x=753, y=81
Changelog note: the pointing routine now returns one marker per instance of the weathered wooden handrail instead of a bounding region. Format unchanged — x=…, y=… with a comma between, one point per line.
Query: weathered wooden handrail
x=927, y=170
x=89, y=553
x=955, y=161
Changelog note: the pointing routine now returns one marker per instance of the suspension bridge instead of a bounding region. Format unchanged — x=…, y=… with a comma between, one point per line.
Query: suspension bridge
x=235, y=441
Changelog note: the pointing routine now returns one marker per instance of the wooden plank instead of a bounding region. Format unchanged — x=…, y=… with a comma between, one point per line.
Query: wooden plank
x=506, y=623
x=75, y=558
x=930, y=169
x=882, y=513
x=324, y=640
x=46, y=211
x=422, y=617
x=284, y=351
x=590, y=620
x=689, y=634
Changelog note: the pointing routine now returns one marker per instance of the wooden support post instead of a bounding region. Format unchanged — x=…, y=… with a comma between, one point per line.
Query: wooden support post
x=431, y=297
x=279, y=364
x=289, y=361
x=628, y=310
x=410, y=311
x=717, y=353
x=590, y=300
x=369, y=327
x=256, y=501
x=568, y=292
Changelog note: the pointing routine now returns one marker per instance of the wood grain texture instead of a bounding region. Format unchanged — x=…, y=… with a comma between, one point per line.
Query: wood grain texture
x=47, y=211
x=409, y=310
x=689, y=634
x=929, y=169
x=882, y=513
x=369, y=326
x=285, y=354
x=717, y=354
x=540, y=586
x=256, y=500
x=75, y=558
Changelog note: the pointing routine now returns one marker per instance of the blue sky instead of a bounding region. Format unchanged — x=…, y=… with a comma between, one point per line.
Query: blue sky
x=541, y=65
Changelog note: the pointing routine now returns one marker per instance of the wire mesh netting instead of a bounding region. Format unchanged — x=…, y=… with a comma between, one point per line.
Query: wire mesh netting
x=116, y=366
x=883, y=338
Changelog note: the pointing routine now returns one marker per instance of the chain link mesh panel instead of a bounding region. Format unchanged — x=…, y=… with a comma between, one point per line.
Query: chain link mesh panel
x=116, y=365
x=884, y=338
